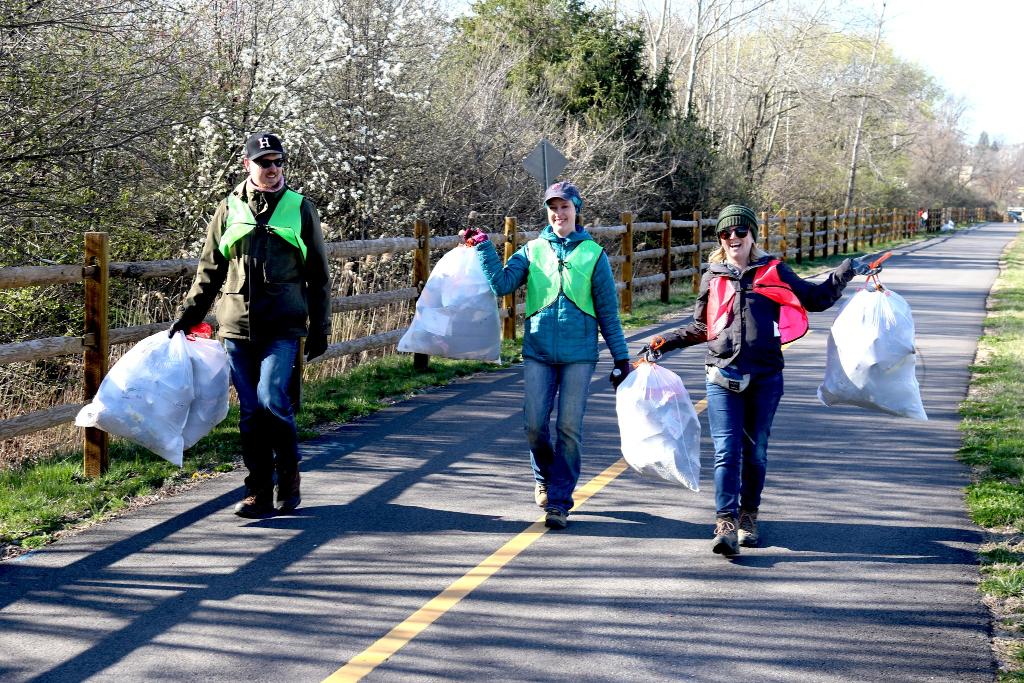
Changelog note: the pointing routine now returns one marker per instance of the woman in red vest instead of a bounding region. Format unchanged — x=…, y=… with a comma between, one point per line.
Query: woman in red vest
x=749, y=305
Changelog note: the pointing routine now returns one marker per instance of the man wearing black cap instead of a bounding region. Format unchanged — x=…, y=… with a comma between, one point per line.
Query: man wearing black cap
x=264, y=253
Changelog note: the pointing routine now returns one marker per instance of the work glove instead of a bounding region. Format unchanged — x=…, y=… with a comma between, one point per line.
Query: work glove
x=473, y=236
x=862, y=264
x=619, y=372
x=316, y=344
x=179, y=326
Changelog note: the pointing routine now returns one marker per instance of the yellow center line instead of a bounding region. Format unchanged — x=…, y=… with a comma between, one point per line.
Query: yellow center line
x=397, y=638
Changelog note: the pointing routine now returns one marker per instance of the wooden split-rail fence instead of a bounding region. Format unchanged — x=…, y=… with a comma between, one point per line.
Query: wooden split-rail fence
x=683, y=243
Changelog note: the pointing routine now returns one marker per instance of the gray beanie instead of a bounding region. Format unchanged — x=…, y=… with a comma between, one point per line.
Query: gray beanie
x=736, y=215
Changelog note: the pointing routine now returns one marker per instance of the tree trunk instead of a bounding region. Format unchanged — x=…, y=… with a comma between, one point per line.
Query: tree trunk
x=850, y=187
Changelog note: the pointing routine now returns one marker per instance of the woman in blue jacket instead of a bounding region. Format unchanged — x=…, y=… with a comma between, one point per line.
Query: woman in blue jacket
x=570, y=296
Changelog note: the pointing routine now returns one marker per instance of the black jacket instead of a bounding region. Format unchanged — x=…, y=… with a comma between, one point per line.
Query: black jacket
x=751, y=342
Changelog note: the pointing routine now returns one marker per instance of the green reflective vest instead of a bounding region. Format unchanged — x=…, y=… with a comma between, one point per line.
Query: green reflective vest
x=548, y=275
x=285, y=222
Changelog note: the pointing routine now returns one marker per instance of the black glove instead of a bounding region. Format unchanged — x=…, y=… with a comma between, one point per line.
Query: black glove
x=316, y=344
x=179, y=326
x=619, y=372
x=862, y=264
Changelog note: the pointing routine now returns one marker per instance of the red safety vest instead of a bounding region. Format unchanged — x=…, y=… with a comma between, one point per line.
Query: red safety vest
x=792, y=314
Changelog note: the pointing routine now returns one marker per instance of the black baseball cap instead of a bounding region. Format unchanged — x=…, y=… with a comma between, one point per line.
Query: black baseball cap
x=261, y=144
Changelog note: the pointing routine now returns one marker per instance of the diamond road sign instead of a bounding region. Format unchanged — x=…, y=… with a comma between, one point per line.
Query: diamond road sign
x=544, y=163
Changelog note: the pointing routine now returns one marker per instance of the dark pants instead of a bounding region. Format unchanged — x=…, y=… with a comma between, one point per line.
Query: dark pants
x=261, y=373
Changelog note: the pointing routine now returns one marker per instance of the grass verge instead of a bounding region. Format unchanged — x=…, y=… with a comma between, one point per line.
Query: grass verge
x=993, y=444
x=41, y=501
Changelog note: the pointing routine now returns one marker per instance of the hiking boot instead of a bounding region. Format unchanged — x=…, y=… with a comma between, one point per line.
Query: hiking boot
x=540, y=494
x=288, y=496
x=255, y=506
x=747, y=532
x=556, y=519
x=726, y=542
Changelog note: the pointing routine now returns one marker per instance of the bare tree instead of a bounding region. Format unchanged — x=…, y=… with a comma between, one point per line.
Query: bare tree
x=859, y=126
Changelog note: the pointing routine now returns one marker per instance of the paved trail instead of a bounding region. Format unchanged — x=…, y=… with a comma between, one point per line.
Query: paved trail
x=867, y=572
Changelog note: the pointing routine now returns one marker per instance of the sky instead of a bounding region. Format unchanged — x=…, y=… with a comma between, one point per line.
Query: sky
x=974, y=49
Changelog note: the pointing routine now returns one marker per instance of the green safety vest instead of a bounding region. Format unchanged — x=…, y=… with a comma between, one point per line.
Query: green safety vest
x=285, y=222
x=548, y=277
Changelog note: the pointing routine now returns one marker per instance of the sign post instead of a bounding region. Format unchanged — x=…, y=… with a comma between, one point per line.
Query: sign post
x=544, y=163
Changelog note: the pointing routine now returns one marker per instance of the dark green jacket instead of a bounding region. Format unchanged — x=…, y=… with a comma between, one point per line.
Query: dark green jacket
x=267, y=292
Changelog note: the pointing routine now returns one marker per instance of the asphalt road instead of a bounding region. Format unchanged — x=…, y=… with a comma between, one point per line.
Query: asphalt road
x=867, y=570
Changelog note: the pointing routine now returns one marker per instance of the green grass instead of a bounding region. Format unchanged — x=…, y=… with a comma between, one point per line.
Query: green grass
x=1003, y=581
x=45, y=498
x=680, y=301
x=993, y=444
x=993, y=415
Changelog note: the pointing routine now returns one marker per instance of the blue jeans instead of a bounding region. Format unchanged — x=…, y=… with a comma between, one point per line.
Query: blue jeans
x=261, y=372
x=558, y=466
x=740, y=426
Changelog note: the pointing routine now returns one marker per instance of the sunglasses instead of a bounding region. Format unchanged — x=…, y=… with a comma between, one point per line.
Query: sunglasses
x=740, y=231
x=267, y=163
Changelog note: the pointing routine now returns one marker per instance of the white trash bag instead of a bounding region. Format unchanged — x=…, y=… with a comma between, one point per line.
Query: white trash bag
x=658, y=426
x=211, y=377
x=871, y=360
x=146, y=396
x=457, y=313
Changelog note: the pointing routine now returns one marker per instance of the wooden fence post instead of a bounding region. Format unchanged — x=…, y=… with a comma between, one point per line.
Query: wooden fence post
x=626, y=249
x=846, y=231
x=764, y=232
x=857, y=236
x=868, y=227
x=96, y=340
x=799, y=238
x=697, y=235
x=835, y=232
x=666, y=258
x=783, y=242
x=813, y=238
x=508, y=326
x=420, y=273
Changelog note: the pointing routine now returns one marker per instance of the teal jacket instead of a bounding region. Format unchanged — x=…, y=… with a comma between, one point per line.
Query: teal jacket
x=561, y=333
